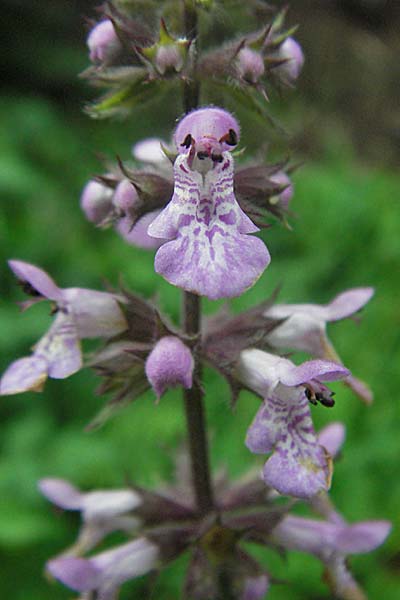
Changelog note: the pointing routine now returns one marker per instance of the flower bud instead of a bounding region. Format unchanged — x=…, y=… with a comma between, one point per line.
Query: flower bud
x=250, y=65
x=168, y=54
x=149, y=150
x=291, y=52
x=169, y=364
x=137, y=235
x=96, y=201
x=168, y=58
x=102, y=41
x=125, y=197
x=282, y=199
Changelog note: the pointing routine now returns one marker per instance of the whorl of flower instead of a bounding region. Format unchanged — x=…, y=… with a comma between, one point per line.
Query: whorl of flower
x=290, y=51
x=104, y=573
x=210, y=252
x=103, y=511
x=305, y=325
x=169, y=364
x=331, y=543
x=218, y=552
x=80, y=314
x=102, y=42
x=299, y=466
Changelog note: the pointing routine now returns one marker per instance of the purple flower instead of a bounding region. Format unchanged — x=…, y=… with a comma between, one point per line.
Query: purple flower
x=299, y=466
x=102, y=42
x=304, y=328
x=170, y=363
x=291, y=52
x=103, y=511
x=210, y=252
x=80, y=313
x=331, y=543
x=104, y=573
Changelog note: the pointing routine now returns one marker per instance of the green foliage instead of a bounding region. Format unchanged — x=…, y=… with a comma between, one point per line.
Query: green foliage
x=345, y=234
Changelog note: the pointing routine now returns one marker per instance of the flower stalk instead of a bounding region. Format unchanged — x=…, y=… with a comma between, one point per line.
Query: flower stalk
x=191, y=324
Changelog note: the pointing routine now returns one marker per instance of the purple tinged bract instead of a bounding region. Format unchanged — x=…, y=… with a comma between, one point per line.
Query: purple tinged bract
x=299, y=466
x=169, y=364
x=80, y=314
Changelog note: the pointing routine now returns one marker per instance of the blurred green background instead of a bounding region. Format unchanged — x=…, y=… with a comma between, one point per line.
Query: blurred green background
x=344, y=125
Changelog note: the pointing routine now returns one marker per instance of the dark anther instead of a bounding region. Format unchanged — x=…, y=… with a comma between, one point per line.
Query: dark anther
x=327, y=401
x=230, y=138
x=187, y=141
x=202, y=155
x=310, y=396
x=217, y=158
x=28, y=289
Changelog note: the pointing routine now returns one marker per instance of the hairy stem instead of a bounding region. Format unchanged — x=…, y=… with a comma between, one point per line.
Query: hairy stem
x=191, y=323
x=195, y=419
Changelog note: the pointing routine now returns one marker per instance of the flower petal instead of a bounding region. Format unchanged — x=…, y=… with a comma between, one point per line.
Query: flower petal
x=362, y=537
x=298, y=466
x=210, y=122
x=101, y=504
x=211, y=255
x=79, y=574
x=37, y=278
x=61, y=493
x=347, y=303
x=322, y=370
x=95, y=314
x=23, y=375
x=60, y=347
x=360, y=388
x=137, y=235
x=332, y=437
